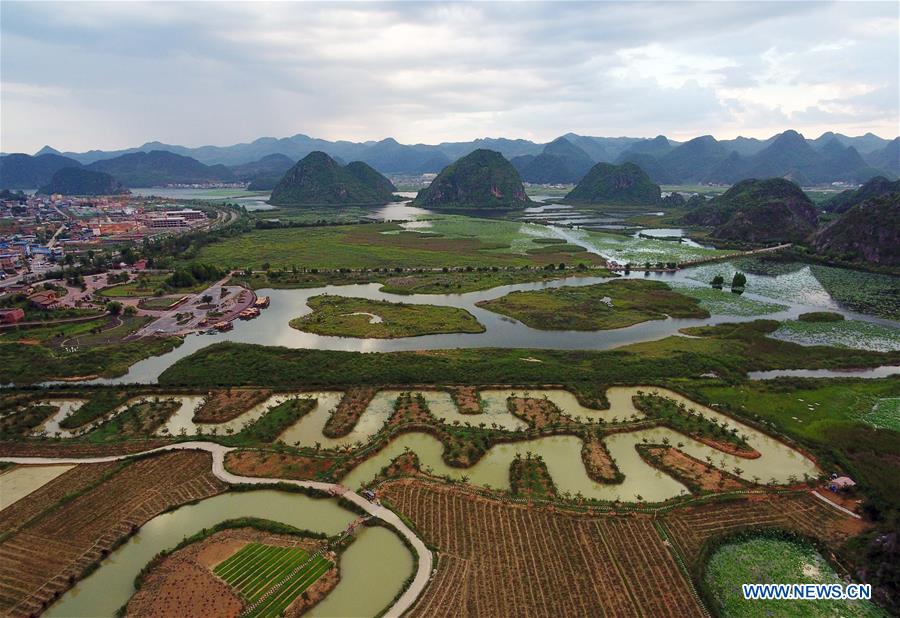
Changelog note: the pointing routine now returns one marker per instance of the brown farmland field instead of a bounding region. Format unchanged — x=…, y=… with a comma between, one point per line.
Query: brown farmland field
x=77, y=479
x=44, y=558
x=499, y=559
x=692, y=527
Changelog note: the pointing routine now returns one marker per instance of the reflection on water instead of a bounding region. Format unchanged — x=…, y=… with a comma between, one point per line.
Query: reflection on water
x=873, y=373
x=377, y=552
x=398, y=212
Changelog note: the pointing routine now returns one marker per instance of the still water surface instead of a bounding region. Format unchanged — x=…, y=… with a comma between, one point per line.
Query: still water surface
x=372, y=570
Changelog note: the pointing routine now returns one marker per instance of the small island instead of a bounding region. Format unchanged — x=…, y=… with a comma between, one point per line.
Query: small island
x=340, y=316
x=603, y=306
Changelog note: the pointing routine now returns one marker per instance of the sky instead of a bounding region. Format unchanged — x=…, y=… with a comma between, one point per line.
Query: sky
x=107, y=75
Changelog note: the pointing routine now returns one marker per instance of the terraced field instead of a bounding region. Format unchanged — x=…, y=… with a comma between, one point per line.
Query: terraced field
x=269, y=578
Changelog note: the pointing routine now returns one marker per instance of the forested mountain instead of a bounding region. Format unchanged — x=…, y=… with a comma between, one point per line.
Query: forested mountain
x=868, y=231
x=159, y=168
x=758, y=211
x=615, y=184
x=845, y=200
x=264, y=174
x=887, y=158
x=482, y=179
x=82, y=181
x=317, y=179
x=22, y=171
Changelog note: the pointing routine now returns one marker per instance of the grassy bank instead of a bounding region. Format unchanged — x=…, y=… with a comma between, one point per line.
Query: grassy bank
x=342, y=316
x=730, y=350
x=28, y=364
x=604, y=306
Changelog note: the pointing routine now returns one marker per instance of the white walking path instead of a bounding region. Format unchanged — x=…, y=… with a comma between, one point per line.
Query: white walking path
x=218, y=453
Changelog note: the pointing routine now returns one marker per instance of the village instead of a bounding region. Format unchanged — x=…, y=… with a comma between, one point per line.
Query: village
x=39, y=232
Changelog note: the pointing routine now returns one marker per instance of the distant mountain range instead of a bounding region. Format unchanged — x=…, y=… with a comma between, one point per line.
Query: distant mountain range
x=829, y=158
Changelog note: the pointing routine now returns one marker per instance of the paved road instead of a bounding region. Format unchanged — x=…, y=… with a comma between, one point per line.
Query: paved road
x=425, y=559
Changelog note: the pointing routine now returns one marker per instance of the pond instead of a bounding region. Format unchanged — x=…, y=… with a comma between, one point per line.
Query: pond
x=373, y=569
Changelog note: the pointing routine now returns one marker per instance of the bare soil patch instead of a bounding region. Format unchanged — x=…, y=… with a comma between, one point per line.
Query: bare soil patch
x=695, y=473
x=344, y=418
x=598, y=463
x=221, y=406
x=466, y=399
x=277, y=465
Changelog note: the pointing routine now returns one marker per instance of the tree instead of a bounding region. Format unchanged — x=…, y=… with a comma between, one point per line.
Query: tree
x=718, y=281
x=738, y=282
x=130, y=310
x=206, y=298
x=114, y=307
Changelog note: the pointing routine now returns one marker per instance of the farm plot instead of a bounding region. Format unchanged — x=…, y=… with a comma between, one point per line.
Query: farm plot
x=503, y=559
x=269, y=578
x=691, y=528
x=46, y=556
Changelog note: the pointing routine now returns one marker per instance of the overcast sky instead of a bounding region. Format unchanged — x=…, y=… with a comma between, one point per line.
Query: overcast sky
x=79, y=75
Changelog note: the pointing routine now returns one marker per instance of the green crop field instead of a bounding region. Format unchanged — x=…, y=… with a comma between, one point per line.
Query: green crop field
x=256, y=569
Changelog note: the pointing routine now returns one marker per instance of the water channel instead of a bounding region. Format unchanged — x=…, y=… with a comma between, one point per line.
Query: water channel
x=373, y=569
x=777, y=462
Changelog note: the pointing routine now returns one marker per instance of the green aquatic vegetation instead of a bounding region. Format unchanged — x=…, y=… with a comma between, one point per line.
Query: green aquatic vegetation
x=885, y=414
x=871, y=293
x=723, y=302
x=844, y=333
x=765, y=560
x=637, y=251
x=813, y=284
x=508, y=236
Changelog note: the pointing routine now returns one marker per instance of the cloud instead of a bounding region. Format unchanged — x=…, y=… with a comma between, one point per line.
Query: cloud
x=85, y=75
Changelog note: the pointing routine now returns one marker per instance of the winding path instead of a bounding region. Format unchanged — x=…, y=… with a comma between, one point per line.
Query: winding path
x=218, y=452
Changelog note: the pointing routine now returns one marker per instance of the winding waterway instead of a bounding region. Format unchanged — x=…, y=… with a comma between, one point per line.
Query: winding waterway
x=372, y=570
x=777, y=463
x=272, y=328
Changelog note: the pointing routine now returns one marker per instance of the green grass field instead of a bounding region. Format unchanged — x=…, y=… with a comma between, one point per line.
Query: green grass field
x=452, y=242
x=256, y=568
x=764, y=561
x=806, y=411
x=147, y=285
x=615, y=304
x=341, y=316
